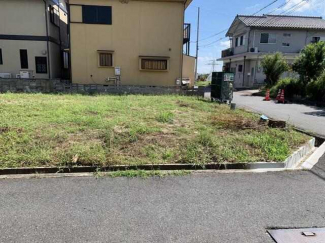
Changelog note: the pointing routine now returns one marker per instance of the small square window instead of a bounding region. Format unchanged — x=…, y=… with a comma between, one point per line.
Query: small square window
x=105, y=59
x=154, y=64
x=267, y=38
x=315, y=39
x=236, y=41
x=240, y=68
x=41, y=64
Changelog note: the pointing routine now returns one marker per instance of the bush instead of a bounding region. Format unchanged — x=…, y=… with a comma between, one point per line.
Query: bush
x=291, y=86
x=316, y=88
x=273, y=67
x=311, y=62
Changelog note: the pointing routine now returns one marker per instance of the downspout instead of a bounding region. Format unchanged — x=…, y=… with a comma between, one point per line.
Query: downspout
x=244, y=71
x=60, y=39
x=182, y=55
x=248, y=39
x=47, y=40
x=69, y=37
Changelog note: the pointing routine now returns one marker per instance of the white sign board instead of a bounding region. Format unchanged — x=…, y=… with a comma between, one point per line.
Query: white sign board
x=117, y=71
x=229, y=77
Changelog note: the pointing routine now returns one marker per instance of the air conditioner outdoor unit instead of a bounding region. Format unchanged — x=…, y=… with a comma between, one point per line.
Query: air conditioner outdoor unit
x=24, y=74
x=254, y=49
x=5, y=75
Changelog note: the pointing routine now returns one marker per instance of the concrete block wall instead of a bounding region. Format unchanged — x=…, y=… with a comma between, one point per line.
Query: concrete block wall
x=58, y=86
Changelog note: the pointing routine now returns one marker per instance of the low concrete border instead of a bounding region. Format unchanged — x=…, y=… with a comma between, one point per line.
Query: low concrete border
x=92, y=169
x=297, y=157
x=314, y=158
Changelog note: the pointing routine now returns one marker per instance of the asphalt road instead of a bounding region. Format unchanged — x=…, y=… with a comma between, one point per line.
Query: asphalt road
x=306, y=117
x=211, y=207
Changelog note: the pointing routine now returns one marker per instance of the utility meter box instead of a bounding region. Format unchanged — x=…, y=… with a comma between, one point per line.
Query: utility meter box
x=222, y=86
x=117, y=71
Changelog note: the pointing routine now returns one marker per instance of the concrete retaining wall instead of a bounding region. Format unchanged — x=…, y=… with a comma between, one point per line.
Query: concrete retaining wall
x=57, y=86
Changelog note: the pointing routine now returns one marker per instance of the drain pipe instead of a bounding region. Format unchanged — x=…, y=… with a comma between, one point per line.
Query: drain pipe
x=244, y=71
x=47, y=40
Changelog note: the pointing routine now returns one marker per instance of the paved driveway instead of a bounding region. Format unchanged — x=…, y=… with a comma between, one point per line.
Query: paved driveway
x=212, y=207
x=306, y=117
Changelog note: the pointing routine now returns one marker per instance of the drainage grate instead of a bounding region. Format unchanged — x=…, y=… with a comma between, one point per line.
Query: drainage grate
x=311, y=235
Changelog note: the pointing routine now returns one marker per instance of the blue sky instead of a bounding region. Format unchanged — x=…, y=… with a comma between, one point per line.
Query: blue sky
x=217, y=15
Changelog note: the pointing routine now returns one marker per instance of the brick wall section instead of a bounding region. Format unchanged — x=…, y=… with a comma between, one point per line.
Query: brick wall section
x=57, y=86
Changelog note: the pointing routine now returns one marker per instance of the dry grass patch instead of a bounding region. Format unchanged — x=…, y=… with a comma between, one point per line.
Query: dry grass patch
x=71, y=130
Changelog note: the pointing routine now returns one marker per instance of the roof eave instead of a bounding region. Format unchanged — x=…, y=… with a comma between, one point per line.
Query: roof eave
x=187, y=3
x=228, y=34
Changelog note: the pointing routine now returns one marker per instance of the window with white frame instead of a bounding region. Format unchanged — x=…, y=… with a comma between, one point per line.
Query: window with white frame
x=240, y=40
x=268, y=38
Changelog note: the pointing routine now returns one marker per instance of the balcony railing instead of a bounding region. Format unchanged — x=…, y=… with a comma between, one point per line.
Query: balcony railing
x=227, y=53
x=187, y=38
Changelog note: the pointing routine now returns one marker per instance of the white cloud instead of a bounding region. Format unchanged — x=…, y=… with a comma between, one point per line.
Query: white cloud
x=254, y=7
x=225, y=44
x=296, y=6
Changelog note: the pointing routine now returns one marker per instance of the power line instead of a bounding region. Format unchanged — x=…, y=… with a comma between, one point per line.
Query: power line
x=281, y=6
x=252, y=14
x=290, y=10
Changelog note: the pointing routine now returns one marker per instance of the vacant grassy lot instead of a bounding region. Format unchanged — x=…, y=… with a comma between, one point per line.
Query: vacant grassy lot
x=47, y=130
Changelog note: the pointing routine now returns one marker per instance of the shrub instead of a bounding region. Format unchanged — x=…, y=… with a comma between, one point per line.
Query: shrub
x=316, y=88
x=311, y=62
x=291, y=86
x=273, y=67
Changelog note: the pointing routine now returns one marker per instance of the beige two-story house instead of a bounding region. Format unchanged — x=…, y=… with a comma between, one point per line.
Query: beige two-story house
x=140, y=42
x=253, y=37
x=33, y=39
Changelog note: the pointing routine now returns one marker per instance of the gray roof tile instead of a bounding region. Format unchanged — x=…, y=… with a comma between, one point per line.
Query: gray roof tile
x=282, y=21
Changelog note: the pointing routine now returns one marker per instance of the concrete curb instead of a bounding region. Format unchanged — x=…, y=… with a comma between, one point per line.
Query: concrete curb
x=297, y=157
x=314, y=158
x=105, y=174
x=171, y=167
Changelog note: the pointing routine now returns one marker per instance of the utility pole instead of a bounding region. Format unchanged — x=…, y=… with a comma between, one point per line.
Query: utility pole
x=213, y=64
x=197, y=41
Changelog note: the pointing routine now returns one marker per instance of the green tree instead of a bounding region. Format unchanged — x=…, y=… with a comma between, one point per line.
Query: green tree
x=316, y=88
x=311, y=62
x=273, y=67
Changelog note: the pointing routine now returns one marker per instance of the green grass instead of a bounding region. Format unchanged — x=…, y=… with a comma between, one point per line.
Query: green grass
x=202, y=83
x=77, y=130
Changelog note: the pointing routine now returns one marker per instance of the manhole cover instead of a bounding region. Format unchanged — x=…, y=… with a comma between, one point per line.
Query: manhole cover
x=311, y=235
